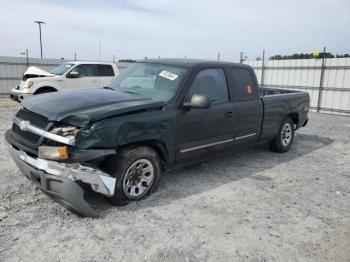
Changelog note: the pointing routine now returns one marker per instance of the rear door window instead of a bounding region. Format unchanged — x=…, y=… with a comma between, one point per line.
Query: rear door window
x=245, y=89
x=105, y=70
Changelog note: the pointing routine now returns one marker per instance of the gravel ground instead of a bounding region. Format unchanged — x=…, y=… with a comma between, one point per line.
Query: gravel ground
x=5, y=102
x=253, y=206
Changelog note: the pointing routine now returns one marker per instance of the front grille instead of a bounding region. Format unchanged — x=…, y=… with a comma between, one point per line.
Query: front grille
x=33, y=138
x=34, y=118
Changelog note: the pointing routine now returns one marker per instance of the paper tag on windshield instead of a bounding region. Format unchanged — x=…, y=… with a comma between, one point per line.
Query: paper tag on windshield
x=168, y=75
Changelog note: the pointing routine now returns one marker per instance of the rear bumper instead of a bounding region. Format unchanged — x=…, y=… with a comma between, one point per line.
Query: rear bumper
x=59, y=180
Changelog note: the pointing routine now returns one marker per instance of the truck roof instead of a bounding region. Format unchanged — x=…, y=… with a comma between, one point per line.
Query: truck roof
x=90, y=62
x=189, y=62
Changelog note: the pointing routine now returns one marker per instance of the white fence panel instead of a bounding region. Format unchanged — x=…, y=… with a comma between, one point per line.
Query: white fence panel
x=332, y=95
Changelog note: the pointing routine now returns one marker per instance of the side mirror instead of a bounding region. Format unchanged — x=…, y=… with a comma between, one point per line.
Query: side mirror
x=72, y=74
x=198, y=101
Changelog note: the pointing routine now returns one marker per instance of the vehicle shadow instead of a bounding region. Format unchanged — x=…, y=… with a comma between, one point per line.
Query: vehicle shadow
x=192, y=180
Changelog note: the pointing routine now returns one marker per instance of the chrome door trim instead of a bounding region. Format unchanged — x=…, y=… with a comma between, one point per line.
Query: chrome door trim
x=206, y=145
x=245, y=136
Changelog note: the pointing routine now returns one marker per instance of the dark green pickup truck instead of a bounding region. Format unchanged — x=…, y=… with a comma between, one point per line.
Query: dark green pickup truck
x=155, y=116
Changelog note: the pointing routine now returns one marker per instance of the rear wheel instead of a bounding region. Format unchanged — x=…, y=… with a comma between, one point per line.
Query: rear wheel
x=285, y=137
x=137, y=171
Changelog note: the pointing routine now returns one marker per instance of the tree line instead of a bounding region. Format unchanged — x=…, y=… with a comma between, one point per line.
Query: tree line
x=127, y=60
x=307, y=56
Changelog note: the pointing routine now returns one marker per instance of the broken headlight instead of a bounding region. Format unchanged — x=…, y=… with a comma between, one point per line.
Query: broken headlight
x=28, y=84
x=66, y=131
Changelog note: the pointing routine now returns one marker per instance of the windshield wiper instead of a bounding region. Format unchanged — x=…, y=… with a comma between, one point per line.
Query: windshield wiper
x=108, y=87
x=130, y=92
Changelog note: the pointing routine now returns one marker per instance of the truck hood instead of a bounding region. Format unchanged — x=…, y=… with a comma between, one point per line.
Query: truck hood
x=34, y=71
x=82, y=107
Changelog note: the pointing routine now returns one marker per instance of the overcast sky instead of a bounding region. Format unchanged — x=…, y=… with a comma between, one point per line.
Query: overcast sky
x=196, y=28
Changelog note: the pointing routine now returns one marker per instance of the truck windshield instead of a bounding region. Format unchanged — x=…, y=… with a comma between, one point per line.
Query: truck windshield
x=156, y=81
x=60, y=70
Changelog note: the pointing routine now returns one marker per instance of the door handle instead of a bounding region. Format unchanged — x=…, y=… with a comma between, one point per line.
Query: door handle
x=229, y=114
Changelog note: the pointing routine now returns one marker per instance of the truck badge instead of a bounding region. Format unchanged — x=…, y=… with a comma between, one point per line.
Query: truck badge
x=23, y=125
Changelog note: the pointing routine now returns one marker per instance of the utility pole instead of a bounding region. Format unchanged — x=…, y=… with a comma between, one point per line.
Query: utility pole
x=320, y=90
x=27, y=57
x=99, y=51
x=263, y=70
x=218, y=56
x=41, y=45
x=241, y=59
x=75, y=56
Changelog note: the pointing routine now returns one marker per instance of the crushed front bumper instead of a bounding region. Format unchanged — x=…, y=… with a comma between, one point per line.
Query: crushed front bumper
x=59, y=180
x=18, y=95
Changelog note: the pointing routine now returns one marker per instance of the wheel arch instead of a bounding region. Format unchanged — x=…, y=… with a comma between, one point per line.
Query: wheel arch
x=158, y=146
x=295, y=118
x=45, y=88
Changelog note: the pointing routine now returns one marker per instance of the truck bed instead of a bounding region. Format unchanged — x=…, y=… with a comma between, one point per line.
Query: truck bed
x=276, y=91
x=277, y=104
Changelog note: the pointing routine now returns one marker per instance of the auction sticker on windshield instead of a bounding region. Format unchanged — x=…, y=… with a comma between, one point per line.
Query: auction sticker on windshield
x=168, y=75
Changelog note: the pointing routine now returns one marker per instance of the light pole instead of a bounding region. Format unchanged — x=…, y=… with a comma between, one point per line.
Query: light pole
x=41, y=45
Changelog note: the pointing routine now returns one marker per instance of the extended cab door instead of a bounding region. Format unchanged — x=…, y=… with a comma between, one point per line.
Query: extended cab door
x=203, y=131
x=248, y=106
x=87, y=77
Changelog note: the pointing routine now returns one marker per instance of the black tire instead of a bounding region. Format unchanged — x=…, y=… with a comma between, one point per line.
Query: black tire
x=118, y=166
x=280, y=143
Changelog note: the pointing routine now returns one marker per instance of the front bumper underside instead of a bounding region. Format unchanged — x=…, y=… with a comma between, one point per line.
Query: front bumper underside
x=61, y=180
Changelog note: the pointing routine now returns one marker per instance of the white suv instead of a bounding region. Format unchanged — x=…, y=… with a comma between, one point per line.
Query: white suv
x=71, y=75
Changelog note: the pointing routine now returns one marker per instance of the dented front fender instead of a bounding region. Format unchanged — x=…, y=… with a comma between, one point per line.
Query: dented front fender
x=129, y=128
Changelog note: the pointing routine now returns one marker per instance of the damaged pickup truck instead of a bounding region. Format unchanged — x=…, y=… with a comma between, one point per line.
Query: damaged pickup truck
x=155, y=116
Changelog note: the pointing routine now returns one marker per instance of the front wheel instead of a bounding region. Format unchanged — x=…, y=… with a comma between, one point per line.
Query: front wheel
x=285, y=137
x=137, y=171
